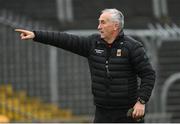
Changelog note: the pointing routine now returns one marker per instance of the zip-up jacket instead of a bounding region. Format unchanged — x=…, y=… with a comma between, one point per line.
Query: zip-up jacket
x=114, y=68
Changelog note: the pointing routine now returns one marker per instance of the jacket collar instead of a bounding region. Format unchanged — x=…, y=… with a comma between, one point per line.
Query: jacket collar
x=118, y=39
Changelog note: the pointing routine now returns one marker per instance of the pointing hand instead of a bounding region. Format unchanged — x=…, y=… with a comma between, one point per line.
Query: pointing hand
x=25, y=34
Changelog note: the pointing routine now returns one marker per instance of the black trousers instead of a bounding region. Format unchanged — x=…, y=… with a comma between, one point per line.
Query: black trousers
x=103, y=115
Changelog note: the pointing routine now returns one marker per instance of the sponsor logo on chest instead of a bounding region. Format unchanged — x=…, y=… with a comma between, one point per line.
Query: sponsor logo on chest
x=98, y=51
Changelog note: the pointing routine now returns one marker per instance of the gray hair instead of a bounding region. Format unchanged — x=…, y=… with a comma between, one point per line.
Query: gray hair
x=116, y=16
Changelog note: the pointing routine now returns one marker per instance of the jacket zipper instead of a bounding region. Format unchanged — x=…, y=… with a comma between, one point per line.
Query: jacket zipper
x=107, y=62
x=107, y=69
x=108, y=72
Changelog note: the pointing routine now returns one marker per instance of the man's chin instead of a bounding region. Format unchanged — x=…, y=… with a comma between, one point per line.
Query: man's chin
x=102, y=36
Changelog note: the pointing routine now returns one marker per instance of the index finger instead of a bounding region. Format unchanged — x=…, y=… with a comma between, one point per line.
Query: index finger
x=21, y=30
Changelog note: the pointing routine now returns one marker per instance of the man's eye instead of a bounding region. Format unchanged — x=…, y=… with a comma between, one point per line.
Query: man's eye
x=103, y=22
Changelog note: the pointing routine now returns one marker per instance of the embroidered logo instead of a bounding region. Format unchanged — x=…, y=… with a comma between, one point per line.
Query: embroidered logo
x=99, y=51
x=119, y=52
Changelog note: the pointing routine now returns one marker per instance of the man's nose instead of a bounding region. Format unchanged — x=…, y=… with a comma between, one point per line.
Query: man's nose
x=99, y=27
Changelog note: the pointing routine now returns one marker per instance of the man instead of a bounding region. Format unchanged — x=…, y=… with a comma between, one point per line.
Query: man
x=115, y=61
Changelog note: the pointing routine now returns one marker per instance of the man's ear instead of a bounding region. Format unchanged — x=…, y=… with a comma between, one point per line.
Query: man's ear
x=116, y=26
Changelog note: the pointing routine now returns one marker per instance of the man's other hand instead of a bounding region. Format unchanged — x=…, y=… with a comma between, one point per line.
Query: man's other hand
x=139, y=110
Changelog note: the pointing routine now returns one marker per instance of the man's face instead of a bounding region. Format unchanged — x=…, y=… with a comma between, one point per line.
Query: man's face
x=106, y=26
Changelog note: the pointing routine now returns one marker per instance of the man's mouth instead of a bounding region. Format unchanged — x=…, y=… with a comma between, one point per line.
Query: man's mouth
x=101, y=32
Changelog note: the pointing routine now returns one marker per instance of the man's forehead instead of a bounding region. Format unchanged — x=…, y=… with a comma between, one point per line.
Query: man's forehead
x=105, y=16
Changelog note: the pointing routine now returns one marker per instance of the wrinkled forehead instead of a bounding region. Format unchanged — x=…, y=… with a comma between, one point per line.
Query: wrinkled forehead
x=105, y=16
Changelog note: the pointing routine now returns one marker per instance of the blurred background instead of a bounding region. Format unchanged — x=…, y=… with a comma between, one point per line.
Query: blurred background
x=40, y=83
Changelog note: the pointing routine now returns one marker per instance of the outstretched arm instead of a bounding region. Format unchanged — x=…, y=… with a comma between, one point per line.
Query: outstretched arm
x=76, y=44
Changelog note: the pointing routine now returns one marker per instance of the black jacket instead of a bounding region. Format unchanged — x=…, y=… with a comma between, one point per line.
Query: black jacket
x=114, y=68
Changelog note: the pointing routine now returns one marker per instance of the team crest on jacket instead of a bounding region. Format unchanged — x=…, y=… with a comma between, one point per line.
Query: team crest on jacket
x=119, y=52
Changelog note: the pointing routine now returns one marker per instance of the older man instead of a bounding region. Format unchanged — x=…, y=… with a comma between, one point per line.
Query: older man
x=115, y=61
